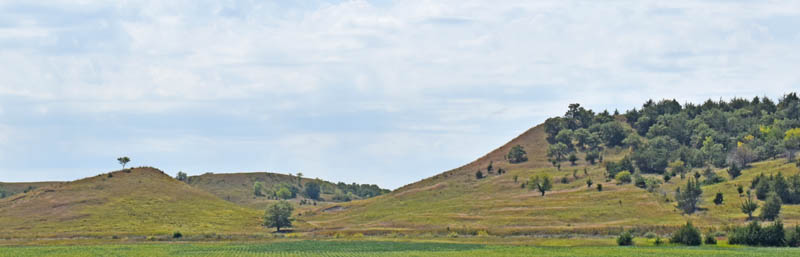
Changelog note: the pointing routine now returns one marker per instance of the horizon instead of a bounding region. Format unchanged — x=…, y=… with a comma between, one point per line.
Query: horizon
x=371, y=92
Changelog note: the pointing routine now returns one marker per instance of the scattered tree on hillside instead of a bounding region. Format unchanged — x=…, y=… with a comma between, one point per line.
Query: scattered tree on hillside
x=689, y=196
x=299, y=178
x=749, y=206
x=718, y=198
x=284, y=193
x=541, y=183
x=279, y=215
x=490, y=168
x=557, y=152
x=478, y=174
x=791, y=142
x=517, y=154
x=742, y=155
x=592, y=156
x=312, y=190
x=182, y=176
x=734, y=171
x=572, y=158
x=589, y=183
x=258, y=189
x=599, y=187
x=123, y=161
x=772, y=207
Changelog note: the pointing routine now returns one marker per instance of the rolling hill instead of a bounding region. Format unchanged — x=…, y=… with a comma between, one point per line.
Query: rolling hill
x=456, y=201
x=137, y=201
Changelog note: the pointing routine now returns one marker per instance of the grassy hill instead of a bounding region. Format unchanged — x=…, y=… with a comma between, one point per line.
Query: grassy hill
x=138, y=201
x=456, y=201
x=9, y=189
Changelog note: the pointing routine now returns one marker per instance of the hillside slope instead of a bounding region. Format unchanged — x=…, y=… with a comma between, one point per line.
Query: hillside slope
x=238, y=188
x=138, y=201
x=456, y=201
x=9, y=189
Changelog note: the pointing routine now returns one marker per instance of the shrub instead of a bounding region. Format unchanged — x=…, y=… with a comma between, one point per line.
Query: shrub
x=710, y=240
x=600, y=187
x=452, y=234
x=623, y=177
x=658, y=241
x=625, y=239
x=479, y=175
x=177, y=234
x=639, y=181
x=793, y=237
x=589, y=183
x=740, y=189
x=667, y=177
x=773, y=235
x=565, y=180
x=650, y=235
x=687, y=235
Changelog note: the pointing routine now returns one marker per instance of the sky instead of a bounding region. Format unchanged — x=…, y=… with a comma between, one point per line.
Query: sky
x=377, y=92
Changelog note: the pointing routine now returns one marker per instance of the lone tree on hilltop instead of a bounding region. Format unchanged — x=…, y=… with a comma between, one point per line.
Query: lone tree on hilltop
x=517, y=154
x=540, y=183
x=279, y=215
x=123, y=161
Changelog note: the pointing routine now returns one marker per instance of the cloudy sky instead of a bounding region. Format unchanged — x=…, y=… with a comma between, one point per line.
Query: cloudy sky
x=358, y=91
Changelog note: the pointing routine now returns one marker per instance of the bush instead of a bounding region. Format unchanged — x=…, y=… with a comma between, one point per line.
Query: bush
x=625, y=239
x=658, y=241
x=479, y=175
x=600, y=187
x=650, y=235
x=754, y=235
x=312, y=190
x=793, y=237
x=623, y=177
x=177, y=235
x=710, y=240
x=686, y=235
x=734, y=171
x=517, y=154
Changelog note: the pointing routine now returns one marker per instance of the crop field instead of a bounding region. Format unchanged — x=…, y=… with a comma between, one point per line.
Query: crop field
x=372, y=248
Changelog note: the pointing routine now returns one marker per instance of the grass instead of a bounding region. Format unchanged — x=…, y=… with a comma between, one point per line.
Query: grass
x=381, y=248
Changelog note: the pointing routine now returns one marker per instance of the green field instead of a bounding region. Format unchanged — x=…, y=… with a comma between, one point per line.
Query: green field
x=369, y=248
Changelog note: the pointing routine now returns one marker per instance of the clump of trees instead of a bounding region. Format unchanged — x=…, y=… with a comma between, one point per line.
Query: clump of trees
x=312, y=190
x=788, y=189
x=714, y=133
x=278, y=215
